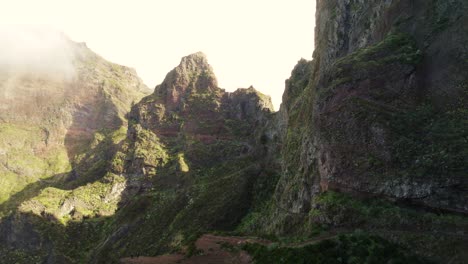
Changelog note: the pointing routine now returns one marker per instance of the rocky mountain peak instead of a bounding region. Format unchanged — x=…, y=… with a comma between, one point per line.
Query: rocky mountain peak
x=189, y=102
x=192, y=75
x=194, y=62
x=254, y=98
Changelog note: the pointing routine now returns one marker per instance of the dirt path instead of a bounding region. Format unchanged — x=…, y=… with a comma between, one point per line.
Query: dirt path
x=213, y=250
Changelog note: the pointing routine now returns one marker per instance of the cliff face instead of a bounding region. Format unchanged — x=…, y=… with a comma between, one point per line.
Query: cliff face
x=381, y=109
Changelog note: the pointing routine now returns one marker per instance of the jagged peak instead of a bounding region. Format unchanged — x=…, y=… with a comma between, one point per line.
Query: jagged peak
x=189, y=70
x=194, y=62
x=263, y=99
x=193, y=75
x=194, y=65
x=249, y=90
x=198, y=58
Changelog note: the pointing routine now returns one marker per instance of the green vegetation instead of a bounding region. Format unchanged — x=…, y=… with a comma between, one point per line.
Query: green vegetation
x=334, y=13
x=444, y=13
x=99, y=198
x=427, y=142
x=263, y=204
x=202, y=102
x=21, y=256
x=238, y=128
x=354, y=248
x=182, y=164
x=22, y=162
x=212, y=193
x=339, y=209
x=396, y=47
x=372, y=62
x=423, y=141
x=149, y=148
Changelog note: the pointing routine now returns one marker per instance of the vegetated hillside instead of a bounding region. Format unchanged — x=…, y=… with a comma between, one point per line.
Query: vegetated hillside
x=366, y=161
x=62, y=127
x=58, y=130
x=190, y=163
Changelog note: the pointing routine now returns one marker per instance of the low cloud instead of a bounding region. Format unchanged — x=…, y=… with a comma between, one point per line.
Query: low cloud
x=35, y=50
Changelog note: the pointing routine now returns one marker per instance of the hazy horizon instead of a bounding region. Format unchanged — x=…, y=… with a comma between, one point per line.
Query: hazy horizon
x=247, y=42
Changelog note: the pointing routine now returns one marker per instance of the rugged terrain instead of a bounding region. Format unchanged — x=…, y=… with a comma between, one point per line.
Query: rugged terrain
x=365, y=162
x=57, y=126
x=58, y=131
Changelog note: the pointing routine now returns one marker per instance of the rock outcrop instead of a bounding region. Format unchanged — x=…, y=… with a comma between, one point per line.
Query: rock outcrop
x=188, y=109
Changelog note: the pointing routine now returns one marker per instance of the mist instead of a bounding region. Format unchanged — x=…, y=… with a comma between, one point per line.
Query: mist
x=38, y=50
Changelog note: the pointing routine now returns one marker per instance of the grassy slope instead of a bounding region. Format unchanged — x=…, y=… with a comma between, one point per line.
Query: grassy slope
x=33, y=168
x=20, y=165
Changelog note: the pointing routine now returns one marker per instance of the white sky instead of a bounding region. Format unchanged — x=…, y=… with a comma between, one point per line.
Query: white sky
x=248, y=42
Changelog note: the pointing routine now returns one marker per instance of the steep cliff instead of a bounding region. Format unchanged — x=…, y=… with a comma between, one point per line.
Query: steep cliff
x=381, y=109
x=379, y=114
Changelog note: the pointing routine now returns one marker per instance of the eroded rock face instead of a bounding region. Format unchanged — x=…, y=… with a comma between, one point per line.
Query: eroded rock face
x=193, y=75
x=189, y=106
x=364, y=116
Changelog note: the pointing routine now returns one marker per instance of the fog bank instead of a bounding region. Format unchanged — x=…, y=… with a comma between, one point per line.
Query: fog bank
x=35, y=50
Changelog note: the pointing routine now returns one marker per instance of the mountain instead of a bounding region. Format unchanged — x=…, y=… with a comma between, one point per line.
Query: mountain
x=59, y=129
x=50, y=121
x=365, y=162
x=192, y=158
x=168, y=163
